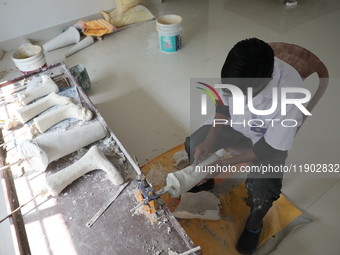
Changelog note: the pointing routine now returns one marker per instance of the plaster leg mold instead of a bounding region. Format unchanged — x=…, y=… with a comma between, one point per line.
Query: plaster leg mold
x=48, y=86
x=51, y=118
x=70, y=36
x=26, y=113
x=87, y=41
x=92, y=160
x=181, y=181
x=44, y=149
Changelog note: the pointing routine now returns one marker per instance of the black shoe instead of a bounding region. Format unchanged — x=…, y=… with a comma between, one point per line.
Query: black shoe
x=248, y=241
x=205, y=186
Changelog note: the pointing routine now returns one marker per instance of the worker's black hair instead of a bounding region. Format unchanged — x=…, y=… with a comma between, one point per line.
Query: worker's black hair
x=250, y=58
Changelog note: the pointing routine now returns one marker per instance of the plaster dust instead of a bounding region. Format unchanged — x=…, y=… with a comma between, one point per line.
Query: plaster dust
x=201, y=205
x=181, y=159
x=116, y=230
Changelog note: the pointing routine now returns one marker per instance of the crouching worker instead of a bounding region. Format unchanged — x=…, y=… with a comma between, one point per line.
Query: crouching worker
x=251, y=64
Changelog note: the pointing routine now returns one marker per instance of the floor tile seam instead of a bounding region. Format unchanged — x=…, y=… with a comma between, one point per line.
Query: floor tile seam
x=323, y=194
x=310, y=244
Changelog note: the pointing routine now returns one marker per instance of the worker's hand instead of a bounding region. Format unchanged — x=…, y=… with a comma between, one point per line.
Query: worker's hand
x=202, y=151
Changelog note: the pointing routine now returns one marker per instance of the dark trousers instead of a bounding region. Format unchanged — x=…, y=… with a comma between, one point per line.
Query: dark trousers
x=262, y=191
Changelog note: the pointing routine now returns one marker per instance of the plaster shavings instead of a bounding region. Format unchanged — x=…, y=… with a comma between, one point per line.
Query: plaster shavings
x=201, y=205
x=109, y=142
x=181, y=159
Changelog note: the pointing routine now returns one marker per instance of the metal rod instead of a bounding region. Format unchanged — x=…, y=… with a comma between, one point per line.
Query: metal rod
x=107, y=204
x=12, y=164
x=9, y=215
x=191, y=251
x=16, y=89
x=3, y=144
x=9, y=133
x=163, y=190
x=6, y=103
x=136, y=207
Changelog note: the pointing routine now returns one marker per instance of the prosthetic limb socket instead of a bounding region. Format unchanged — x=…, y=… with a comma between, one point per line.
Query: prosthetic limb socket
x=181, y=181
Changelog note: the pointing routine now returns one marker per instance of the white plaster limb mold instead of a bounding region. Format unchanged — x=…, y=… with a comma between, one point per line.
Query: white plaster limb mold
x=48, y=86
x=28, y=112
x=70, y=36
x=92, y=160
x=87, y=41
x=44, y=149
x=201, y=205
x=179, y=182
x=51, y=118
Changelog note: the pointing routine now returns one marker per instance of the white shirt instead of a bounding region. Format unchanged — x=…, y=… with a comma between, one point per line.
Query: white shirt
x=276, y=128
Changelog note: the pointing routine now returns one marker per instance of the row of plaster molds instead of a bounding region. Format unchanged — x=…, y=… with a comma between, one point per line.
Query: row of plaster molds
x=48, y=86
x=44, y=149
x=51, y=118
x=28, y=112
x=92, y=160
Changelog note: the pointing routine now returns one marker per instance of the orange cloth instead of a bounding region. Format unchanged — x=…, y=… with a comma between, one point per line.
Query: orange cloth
x=98, y=28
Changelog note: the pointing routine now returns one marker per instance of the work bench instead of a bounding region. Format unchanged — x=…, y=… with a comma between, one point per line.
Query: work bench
x=57, y=225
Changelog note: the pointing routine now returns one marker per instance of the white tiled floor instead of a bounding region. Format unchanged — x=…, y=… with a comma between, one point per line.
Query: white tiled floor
x=144, y=94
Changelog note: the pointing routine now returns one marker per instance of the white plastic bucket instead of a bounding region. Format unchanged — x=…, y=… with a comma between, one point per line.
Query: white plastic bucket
x=169, y=29
x=29, y=59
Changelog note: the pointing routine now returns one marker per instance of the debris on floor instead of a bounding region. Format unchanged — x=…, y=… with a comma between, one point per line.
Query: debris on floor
x=201, y=205
x=181, y=159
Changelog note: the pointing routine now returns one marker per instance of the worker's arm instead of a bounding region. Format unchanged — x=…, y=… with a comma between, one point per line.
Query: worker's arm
x=260, y=150
x=244, y=157
x=202, y=150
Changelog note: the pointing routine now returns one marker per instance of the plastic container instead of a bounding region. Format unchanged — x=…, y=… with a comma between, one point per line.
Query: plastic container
x=169, y=29
x=80, y=74
x=29, y=59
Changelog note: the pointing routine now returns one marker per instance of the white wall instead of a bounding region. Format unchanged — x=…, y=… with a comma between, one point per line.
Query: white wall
x=22, y=17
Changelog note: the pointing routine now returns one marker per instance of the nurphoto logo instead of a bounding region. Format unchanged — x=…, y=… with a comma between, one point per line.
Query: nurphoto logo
x=238, y=104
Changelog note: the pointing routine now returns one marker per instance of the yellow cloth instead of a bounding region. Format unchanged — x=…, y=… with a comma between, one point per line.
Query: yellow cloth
x=98, y=28
x=125, y=5
x=128, y=12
